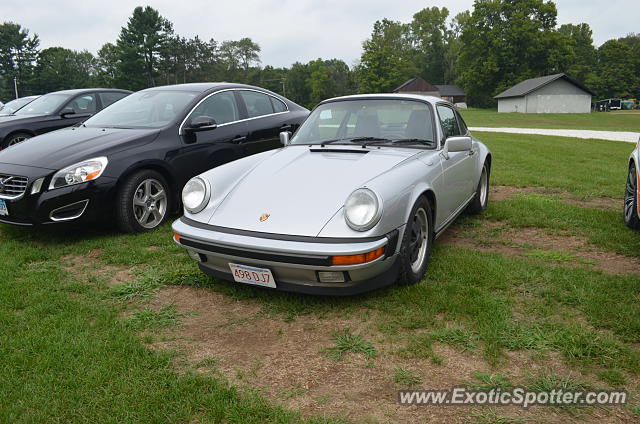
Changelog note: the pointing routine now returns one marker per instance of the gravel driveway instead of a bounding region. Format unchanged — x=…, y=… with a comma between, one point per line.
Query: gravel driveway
x=629, y=137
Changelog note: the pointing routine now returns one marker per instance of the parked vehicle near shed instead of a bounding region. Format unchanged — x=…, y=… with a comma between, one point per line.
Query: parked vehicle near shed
x=632, y=191
x=54, y=111
x=13, y=106
x=351, y=203
x=132, y=159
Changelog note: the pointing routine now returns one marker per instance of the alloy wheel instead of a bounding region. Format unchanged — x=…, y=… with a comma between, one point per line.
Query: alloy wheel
x=418, y=242
x=16, y=140
x=484, y=187
x=630, y=195
x=150, y=203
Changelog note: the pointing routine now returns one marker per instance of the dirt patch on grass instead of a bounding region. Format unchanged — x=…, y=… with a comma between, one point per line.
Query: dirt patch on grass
x=509, y=192
x=288, y=363
x=534, y=242
x=90, y=264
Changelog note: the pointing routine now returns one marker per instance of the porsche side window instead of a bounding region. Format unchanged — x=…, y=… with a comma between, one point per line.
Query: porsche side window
x=221, y=107
x=463, y=125
x=448, y=121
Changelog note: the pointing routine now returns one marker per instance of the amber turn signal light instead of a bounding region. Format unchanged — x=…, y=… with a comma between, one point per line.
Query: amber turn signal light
x=361, y=258
x=176, y=237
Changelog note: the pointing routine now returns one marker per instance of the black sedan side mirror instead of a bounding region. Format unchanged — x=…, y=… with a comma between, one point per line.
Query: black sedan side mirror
x=68, y=113
x=201, y=123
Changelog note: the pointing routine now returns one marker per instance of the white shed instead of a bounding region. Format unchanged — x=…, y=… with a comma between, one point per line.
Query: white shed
x=551, y=94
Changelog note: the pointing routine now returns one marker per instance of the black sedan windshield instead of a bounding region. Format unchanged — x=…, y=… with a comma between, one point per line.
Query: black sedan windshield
x=145, y=109
x=368, y=120
x=44, y=105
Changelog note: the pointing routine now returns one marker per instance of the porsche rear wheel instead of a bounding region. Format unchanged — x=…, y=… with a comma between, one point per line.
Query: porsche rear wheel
x=631, y=200
x=417, y=241
x=481, y=199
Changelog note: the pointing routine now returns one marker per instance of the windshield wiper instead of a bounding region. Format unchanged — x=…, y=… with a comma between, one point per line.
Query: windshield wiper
x=355, y=140
x=413, y=141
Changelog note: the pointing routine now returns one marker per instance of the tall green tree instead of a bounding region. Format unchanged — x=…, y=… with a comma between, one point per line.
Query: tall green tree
x=581, y=69
x=430, y=33
x=507, y=41
x=141, y=42
x=387, y=57
x=61, y=69
x=616, y=75
x=18, y=53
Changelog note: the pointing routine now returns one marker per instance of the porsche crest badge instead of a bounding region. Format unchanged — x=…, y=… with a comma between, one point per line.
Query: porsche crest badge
x=264, y=217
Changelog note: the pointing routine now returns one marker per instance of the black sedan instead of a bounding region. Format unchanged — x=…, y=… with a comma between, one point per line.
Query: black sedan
x=53, y=111
x=132, y=159
x=13, y=106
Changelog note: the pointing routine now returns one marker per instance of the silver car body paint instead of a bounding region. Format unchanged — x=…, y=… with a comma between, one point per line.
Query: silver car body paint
x=303, y=190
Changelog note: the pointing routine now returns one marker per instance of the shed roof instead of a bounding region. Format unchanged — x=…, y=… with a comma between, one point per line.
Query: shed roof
x=527, y=86
x=450, y=90
x=416, y=84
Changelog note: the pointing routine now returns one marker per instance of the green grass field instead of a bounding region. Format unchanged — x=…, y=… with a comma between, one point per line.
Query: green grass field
x=71, y=350
x=626, y=120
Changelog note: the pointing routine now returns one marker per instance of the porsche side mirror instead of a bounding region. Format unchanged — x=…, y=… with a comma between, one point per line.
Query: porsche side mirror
x=201, y=123
x=284, y=137
x=456, y=144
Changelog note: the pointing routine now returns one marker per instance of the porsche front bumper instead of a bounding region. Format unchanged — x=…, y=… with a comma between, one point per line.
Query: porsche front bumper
x=295, y=261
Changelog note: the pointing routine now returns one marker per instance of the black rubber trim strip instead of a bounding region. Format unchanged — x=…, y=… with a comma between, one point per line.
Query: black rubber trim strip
x=272, y=257
x=283, y=237
x=361, y=151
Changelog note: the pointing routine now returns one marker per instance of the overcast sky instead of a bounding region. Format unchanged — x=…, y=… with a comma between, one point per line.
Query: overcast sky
x=286, y=30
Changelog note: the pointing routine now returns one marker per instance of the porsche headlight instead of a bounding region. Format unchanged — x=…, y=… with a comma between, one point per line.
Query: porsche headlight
x=79, y=173
x=195, y=195
x=362, y=210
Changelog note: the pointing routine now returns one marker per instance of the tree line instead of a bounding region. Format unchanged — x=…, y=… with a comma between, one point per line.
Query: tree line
x=485, y=51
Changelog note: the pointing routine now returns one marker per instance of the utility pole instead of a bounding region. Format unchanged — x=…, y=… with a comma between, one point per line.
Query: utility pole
x=284, y=91
x=15, y=86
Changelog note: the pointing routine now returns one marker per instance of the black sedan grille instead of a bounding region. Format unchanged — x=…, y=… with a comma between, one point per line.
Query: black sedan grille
x=12, y=186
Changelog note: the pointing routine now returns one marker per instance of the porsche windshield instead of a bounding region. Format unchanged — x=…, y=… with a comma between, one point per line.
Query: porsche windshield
x=370, y=121
x=144, y=109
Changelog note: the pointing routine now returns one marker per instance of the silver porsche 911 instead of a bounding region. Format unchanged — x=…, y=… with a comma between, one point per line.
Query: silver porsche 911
x=352, y=202
x=632, y=192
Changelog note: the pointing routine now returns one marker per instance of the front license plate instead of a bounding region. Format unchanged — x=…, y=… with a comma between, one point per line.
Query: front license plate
x=3, y=208
x=252, y=275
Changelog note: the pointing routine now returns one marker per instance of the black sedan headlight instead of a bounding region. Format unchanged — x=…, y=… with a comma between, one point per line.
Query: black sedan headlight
x=78, y=173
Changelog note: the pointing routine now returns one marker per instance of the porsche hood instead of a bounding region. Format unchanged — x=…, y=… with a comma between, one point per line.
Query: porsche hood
x=299, y=189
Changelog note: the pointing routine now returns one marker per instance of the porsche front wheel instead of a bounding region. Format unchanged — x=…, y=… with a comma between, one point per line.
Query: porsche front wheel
x=416, y=243
x=631, y=200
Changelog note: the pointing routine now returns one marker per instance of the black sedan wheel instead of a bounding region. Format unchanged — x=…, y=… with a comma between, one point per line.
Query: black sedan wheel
x=631, y=200
x=143, y=202
x=16, y=138
x=416, y=243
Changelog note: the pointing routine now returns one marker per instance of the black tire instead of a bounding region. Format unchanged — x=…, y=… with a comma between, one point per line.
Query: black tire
x=133, y=202
x=481, y=199
x=15, y=138
x=411, y=271
x=631, y=200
